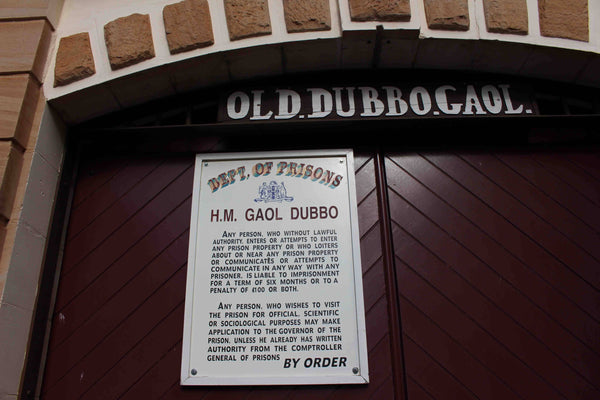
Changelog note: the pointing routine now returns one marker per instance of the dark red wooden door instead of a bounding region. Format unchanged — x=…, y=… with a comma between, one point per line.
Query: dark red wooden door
x=481, y=279
x=118, y=319
x=498, y=268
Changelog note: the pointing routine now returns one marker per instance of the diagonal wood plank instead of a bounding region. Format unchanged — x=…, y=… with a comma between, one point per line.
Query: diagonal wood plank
x=497, y=233
x=118, y=243
x=481, y=316
x=544, y=180
x=119, y=298
x=540, y=232
x=491, y=283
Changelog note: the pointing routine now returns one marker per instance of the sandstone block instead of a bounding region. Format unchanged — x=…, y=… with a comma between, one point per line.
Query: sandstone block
x=12, y=97
x=506, y=16
x=74, y=59
x=307, y=15
x=11, y=161
x=568, y=19
x=380, y=10
x=19, y=96
x=31, y=9
x=449, y=15
x=247, y=18
x=24, y=47
x=188, y=25
x=129, y=40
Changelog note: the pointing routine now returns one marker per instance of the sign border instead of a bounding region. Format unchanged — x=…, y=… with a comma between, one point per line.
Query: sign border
x=362, y=376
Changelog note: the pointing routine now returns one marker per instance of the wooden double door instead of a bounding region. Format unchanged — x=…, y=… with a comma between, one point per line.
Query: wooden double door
x=481, y=274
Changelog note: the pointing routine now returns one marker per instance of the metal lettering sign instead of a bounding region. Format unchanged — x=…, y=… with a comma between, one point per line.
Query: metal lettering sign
x=274, y=284
x=443, y=100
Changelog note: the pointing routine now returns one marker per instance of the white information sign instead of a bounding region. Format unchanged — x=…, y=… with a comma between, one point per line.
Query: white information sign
x=274, y=284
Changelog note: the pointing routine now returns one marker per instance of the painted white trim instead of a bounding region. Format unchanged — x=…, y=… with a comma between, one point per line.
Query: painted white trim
x=87, y=17
x=81, y=16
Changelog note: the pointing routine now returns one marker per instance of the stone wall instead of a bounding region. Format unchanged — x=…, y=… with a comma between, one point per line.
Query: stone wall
x=176, y=46
x=25, y=40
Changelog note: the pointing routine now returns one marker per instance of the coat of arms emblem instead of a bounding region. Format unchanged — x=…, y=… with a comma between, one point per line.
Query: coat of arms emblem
x=272, y=192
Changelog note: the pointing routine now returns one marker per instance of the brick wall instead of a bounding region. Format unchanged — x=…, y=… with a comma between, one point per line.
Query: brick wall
x=23, y=51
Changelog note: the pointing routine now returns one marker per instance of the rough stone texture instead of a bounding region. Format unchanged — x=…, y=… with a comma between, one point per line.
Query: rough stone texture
x=129, y=40
x=247, y=18
x=307, y=15
x=449, y=15
x=566, y=19
x=506, y=16
x=74, y=59
x=379, y=10
x=188, y=25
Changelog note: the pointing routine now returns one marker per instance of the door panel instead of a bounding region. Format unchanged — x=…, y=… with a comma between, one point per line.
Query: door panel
x=490, y=289
x=118, y=319
x=497, y=276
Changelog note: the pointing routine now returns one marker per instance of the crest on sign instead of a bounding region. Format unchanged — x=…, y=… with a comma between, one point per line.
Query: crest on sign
x=272, y=192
